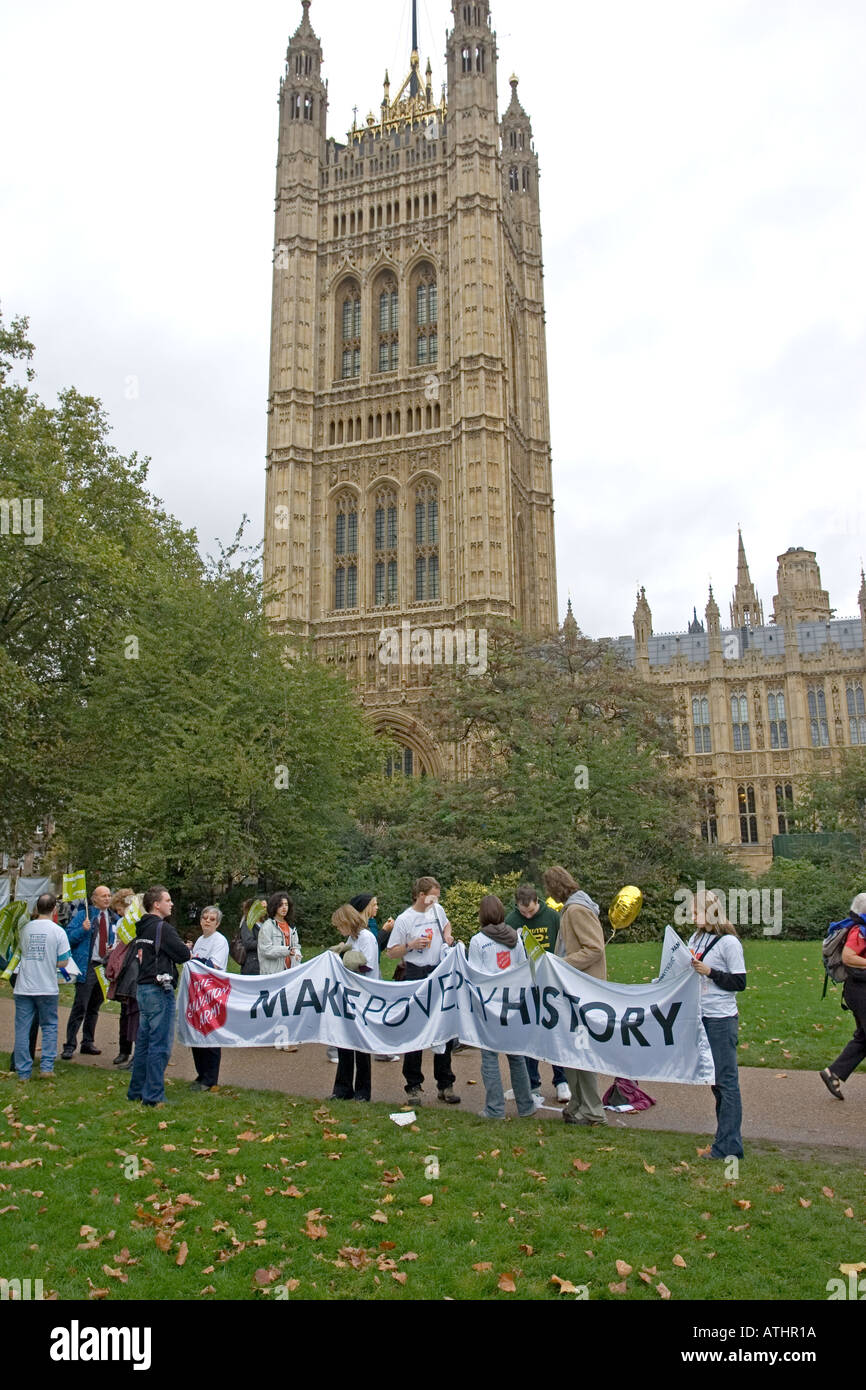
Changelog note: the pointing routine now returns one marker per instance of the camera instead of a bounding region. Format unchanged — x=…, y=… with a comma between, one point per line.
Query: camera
x=166, y=982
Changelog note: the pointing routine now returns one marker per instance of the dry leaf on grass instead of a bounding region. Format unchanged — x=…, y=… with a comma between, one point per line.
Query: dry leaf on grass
x=94, y=1291
x=805, y=1201
x=426, y=1201
x=563, y=1284
x=618, y=1288
x=526, y=1250
x=507, y=1283
x=742, y=1204
x=483, y=1267
x=314, y=1229
x=579, y=1164
x=115, y=1274
x=380, y=1217
x=410, y=1255
x=649, y=1167
x=828, y=1192
x=679, y=1262
x=182, y=1253
x=163, y=1240
x=623, y=1269
x=663, y=1290
x=263, y=1277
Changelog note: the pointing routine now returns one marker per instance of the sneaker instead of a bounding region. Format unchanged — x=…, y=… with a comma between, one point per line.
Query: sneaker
x=577, y=1120
x=537, y=1100
x=414, y=1092
x=333, y=1055
x=448, y=1097
x=509, y=1095
x=563, y=1093
x=47, y=1075
x=392, y=1057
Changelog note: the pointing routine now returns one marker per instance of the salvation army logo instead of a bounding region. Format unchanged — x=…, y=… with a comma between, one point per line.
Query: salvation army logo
x=206, y=1006
x=503, y=959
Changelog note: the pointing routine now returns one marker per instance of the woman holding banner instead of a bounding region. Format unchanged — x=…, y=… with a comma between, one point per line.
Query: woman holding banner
x=361, y=954
x=722, y=979
x=499, y=947
x=279, y=948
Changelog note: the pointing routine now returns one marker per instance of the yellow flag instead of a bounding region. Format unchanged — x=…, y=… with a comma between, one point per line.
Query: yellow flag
x=12, y=966
x=126, y=925
x=103, y=983
x=75, y=887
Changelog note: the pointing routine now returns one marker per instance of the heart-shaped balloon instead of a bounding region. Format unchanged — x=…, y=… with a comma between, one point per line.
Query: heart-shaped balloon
x=625, y=908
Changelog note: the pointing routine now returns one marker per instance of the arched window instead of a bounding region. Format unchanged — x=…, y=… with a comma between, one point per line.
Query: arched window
x=701, y=723
x=479, y=60
x=426, y=307
x=740, y=722
x=385, y=548
x=345, y=552
x=778, y=720
x=784, y=806
x=819, y=727
x=308, y=108
x=467, y=59
x=709, y=820
x=388, y=337
x=748, y=815
x=514, y=179
x=403, y=764
x=426, y=543
x=856, y=713
x=527, y=181
x=349, y=329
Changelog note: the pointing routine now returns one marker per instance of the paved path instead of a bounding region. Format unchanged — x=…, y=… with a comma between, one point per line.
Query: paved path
x=792, y=1107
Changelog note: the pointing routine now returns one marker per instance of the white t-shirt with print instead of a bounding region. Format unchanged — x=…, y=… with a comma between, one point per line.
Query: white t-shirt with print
x=366, y=943
x=411, y=925
x=42, y=945
x=491, y=956
x=727, y=955
x=214, y=948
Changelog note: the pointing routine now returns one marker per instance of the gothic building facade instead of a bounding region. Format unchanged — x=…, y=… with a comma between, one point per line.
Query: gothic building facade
x=760, y=706
x=408, y=467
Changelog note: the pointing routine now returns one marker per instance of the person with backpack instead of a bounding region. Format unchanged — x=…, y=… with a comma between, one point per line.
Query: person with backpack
x=853, y=960
x=722, y=978
x=160, y=951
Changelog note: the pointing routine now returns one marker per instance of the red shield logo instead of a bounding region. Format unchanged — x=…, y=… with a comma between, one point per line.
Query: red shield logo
x=206, y=1006
x=503, y=960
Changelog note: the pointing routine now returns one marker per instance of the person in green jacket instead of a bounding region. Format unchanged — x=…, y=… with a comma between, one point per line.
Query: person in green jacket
x=530, y=915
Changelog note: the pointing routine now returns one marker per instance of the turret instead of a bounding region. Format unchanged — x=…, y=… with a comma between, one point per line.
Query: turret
x=303, y=94
x=800, y=598
x=471, y=55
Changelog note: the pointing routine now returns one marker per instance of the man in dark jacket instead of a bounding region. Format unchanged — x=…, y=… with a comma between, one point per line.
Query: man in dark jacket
x=92, y=933
x=161, y=951
x=532, y=918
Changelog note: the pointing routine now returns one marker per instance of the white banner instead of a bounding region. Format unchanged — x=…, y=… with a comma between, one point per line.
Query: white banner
x=649, y=1032
x=676, y=957
x=27, y=890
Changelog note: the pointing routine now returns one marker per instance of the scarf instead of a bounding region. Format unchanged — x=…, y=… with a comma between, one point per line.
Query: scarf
x=500, y=933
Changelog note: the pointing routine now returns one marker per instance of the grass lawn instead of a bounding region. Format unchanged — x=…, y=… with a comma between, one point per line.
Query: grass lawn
x=254, y=1195
x=784, y=1023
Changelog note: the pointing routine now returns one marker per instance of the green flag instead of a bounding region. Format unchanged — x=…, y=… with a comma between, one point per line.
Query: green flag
x=75, y=887
x=12, y=918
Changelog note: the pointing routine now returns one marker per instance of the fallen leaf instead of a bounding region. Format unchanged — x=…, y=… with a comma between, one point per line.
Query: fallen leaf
x=248, y=1136
x=742, y=1204
x=291, y=1191
x=204, y=1153
x=426, y=1201
x=704, y=1153
x=313, y=1228
x=828, y=1192
x=262, y=1277
x=163, y=1124
x=380, y=1217
x=115, y=1274
x=240, y=1180
x=260, y=1225
x=94, y=1291
x=663, y=1290
x=87, y=1231
x=650, y=1269
x=526, y=1250
x=679, y=1262
x=649, y=1167
x=506, y=1283
x=410, y=1255
x=623, y=1269
x=563, y=1284
x=579, y=1164
x=852, y=1269
x=618, y=1288
x=483, y=1266
x=805, y=1202
x=163, y=1240
x=849, y=1211
x=647, y=1278
x=182, y=1253
x=400, y=1275
x=777, y=1187
x=208, y=1289
x=387, y=1245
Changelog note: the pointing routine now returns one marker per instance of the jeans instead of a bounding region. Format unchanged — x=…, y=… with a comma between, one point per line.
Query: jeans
x=854, y=994
x=722, y=1034
x=207, y=1064
x=532, y=1065
x=494, y=1107
x=353, y=1079
x=27, y=1008
x=85, y=1005
x=155, y=1038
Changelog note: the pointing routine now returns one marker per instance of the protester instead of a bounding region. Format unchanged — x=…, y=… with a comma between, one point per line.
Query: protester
x=580, y=943
x=854, y=996
x=278, y=944
x=43, y=947
x=420, y=939
x=91, y=937
x=160, y=951
x=129, y=1015
x=499, y=947
x=541, y=922
x=361, y=954
x=250, y=938
x=722, y=979
x=367, y=904
x=212, y=949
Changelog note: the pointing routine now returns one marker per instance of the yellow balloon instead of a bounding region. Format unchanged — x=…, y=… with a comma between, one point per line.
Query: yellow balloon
x=557, y=907
x=625, y=908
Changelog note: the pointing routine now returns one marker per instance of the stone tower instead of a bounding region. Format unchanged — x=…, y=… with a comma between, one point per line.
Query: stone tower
x=409, y=471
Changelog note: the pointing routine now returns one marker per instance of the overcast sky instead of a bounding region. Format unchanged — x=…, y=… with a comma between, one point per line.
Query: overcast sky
x=704, y=219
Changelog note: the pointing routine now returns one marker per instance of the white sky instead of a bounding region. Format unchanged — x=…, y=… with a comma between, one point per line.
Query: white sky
x=704, y=217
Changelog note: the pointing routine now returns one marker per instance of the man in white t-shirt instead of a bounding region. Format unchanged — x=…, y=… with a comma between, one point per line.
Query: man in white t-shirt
x=420, y=938
x=44, y=948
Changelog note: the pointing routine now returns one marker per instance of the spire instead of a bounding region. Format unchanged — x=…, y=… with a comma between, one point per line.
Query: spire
x=861, y=597
x=414, y=60
x=746, y=608
x=713, y=615
x=643, y=621
x=570, y=629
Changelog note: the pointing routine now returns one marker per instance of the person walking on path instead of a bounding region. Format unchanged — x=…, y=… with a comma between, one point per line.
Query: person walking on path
x=854, y=995
x=91, y=936
x=420, y=940
x=722, y=979
x=44, y=947
x=160, y=951
x=541, y=922
x=496, y=947
x=580, y=943
x=212, y=949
